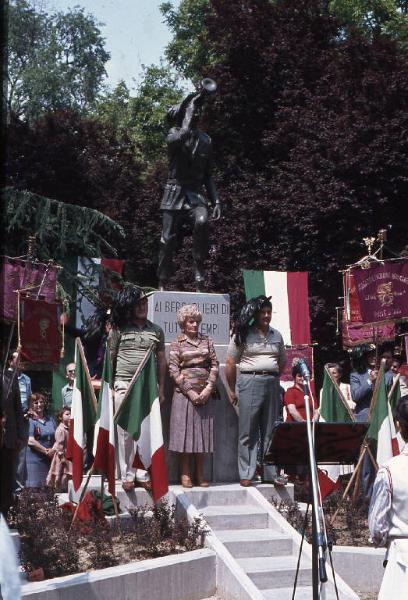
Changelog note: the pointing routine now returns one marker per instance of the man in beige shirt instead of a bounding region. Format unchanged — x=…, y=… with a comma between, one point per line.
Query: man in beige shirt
x=129, y=340
x=259, y=353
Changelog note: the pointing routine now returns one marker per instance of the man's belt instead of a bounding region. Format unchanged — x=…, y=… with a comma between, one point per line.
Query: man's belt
x=275, y=373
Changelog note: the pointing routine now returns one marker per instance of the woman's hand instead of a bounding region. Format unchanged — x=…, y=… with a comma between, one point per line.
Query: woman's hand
x=193, y=397
x=205, y=394
x=49, y=452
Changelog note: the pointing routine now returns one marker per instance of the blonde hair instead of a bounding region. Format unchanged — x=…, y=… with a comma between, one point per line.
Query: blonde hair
x=188, y=311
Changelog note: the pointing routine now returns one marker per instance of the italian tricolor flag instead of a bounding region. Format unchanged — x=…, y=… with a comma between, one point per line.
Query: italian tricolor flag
x=82, y=415
x=382, y=428
x=333, y=409
x=104, y=436
x=290, y=301
x=140, y=416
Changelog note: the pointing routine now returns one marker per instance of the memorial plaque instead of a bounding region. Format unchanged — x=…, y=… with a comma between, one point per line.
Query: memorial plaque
x=215, y=308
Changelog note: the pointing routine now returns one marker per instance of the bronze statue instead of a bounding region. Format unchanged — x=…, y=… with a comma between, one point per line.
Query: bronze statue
x=189, y=151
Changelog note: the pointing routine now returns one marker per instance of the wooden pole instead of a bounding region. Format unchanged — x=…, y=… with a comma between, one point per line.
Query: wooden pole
x=394, y=385
x=352, y=478
x=87, y=374
x=90, y=473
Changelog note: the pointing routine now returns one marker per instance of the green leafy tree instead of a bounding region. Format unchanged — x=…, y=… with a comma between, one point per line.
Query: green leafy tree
x=55, y=61
x=190, y=48
x=142, y=117
x=193, y=51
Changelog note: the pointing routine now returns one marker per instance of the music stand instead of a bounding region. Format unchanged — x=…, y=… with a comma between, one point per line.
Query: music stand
x=334, y=443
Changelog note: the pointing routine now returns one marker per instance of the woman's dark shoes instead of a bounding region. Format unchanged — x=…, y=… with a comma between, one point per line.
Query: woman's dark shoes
x=128, y=485
x=245, y=482
x=146, y=485
x=186, y=481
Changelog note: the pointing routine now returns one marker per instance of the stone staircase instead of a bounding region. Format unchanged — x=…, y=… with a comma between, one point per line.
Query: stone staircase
x=261, y=542
x=249, y=535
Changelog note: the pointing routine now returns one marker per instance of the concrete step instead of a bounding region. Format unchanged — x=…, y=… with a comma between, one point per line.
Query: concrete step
x=302, y=593
x=255, y=542
x=220, y=495
x=275, y=572
x=235, y=517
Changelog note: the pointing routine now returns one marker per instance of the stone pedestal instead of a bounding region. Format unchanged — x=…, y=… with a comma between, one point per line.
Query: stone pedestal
x=221, y=466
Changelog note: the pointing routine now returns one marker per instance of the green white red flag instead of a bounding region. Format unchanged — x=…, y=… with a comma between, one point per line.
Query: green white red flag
x=82, y=415
x=140, y=416
x=104, y=435
x=290, y=297
x=395, y=394
x=333, y=409
x=382, y=428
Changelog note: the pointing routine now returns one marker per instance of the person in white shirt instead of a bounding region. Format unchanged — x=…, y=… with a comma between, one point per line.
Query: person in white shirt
x=388, y=514
x=66, y=392
x=395, y=368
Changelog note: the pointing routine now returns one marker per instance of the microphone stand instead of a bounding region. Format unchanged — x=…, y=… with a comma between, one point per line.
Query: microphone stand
x=318, y=540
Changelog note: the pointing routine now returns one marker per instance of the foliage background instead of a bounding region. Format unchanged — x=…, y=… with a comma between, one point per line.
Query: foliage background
x=309, y=129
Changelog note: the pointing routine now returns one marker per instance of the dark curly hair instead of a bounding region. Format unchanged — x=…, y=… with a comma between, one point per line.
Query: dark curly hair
x=248, y=315
x=402, y=416
x=124, y=303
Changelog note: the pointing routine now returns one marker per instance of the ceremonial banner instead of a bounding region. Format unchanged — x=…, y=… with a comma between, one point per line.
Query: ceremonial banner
x=290, y=301
x=351, y=301
x=383, y=291
x=355, y=334
x=40, y=336
x=17, y=274
x=305, y=352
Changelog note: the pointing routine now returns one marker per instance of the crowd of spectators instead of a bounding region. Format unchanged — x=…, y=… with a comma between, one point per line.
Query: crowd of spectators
x=34, y=442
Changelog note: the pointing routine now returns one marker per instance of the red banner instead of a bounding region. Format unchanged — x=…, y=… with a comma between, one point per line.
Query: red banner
x=40, y=336
x=305, y=352
x=19, y=274
x=352, y=304
x=355, y=334
x=383, y=291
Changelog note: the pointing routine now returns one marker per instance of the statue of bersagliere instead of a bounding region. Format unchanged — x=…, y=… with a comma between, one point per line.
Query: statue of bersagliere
x=189, y=151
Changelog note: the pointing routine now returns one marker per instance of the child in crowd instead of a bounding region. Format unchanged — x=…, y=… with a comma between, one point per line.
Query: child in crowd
x=61, y=468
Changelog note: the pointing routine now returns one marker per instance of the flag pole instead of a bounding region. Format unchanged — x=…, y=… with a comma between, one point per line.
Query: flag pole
x=81, y=497
x=87, y=374
x=364, y=448
x=394, y=385
x=135, y=376
x=352, y=478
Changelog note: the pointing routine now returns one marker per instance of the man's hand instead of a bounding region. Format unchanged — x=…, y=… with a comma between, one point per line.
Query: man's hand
x=162, y=398
x=233, y=398
x=19, y=444
x=216, y=214
x=373, y=375
x=64, y=318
